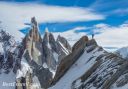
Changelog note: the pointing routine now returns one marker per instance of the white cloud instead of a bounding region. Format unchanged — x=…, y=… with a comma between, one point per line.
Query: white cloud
x=111, y=36
x=101, y=25
x=14, y=15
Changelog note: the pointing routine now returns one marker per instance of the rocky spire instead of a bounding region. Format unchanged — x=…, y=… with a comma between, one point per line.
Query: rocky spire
x=33, y=21
x=33, y=42
x=46, y=36
x=34, y=32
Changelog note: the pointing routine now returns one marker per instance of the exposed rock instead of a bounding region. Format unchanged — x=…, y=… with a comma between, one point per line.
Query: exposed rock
x=33, y=43
x=24, y=82
x=63, y=48
x=92, y=42
x=54, y=50
x=52, y=42
x=79, y=43
x=49, y=47
x=64, y=42
x=68, y=61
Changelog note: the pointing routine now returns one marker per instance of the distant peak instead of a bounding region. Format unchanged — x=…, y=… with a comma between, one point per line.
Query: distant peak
x=46, y=30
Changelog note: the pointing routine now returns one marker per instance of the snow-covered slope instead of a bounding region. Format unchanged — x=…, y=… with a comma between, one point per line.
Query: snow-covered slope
x=78, y=69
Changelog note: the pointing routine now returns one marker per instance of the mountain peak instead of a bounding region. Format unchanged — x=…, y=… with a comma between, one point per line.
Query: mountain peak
x=33, y=21
x=34, y=32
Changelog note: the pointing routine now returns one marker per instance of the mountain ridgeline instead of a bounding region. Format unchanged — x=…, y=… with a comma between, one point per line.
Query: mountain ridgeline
x=48, y=63
x=43, y=55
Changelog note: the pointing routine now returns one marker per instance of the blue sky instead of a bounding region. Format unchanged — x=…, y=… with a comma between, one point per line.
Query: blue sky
x=102, y=17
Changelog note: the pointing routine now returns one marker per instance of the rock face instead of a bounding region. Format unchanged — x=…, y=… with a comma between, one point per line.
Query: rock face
x=68, y=61
x=64, y=42
x=54, y=50
x=63, y=48
x=49, y=47
x=33, y=43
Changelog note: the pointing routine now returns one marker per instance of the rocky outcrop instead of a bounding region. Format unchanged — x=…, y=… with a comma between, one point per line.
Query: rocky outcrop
x=68, y=61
